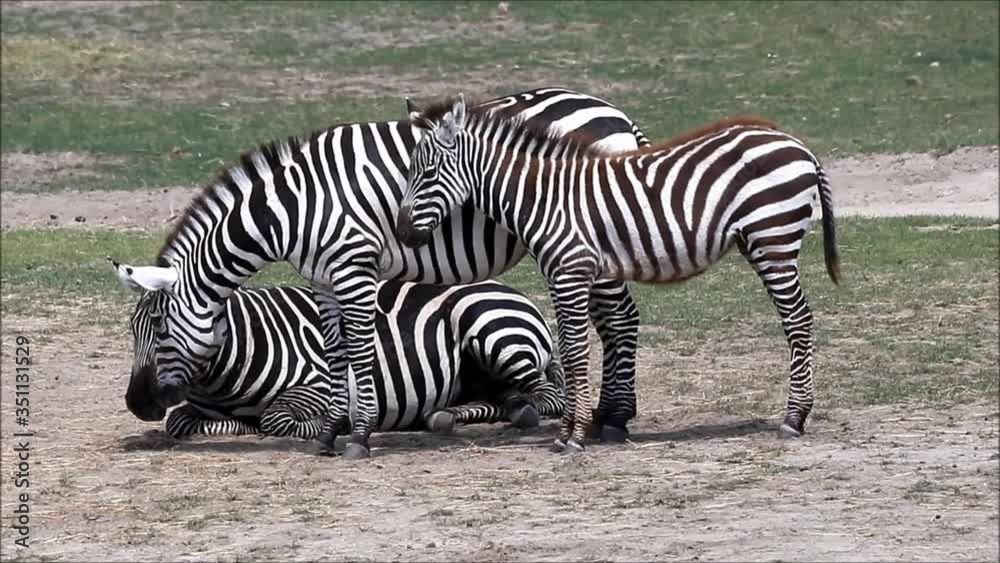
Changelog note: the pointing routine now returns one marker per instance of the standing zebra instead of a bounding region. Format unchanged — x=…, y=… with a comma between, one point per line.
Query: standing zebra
x=661, y=214
x=326, y=204
x=460, y=354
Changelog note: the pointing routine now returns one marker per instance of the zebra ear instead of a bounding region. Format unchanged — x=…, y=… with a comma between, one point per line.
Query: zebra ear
x=149, y=278
x=459, y=111
x=412, y=109
x=454, y=121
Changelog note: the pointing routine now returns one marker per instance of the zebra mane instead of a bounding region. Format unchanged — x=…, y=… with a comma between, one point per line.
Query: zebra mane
x=708, y=130
x=270, y=155
x=511, y=126
x=581, y=144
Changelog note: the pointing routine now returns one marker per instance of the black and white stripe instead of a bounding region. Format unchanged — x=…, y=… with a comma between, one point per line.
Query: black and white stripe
x=661, y=214
x=463, y=354
x=326, y=204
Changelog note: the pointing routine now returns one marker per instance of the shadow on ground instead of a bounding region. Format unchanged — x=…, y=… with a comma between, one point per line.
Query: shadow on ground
x=478, y=436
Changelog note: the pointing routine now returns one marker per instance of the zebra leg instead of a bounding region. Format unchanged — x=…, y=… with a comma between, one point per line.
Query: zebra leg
x=479, y=412
x=337, y=418
x=354, y=287
x=616, y=318
x=781, y=279
x=186, y=421
x=527, y=394
x=571, y=297
x=296, y=413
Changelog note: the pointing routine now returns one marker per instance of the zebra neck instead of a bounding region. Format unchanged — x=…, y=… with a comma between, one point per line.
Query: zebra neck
x=217, y=253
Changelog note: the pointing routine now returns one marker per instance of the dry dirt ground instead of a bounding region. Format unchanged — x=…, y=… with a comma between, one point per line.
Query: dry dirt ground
x=899, y=482
x=878, y=484
x=964, y=182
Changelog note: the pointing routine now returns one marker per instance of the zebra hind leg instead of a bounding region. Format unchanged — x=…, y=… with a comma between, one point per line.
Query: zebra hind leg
x=296, y=413
x=785, y=290
x=186, y=421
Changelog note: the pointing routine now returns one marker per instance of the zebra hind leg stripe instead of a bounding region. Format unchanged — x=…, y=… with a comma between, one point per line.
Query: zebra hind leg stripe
x=785, y=290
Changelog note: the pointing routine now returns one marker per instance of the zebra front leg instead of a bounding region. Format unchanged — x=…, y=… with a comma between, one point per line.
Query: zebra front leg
x=571, y=297
x=354, y=287
x=616, y=318
x=296, y=413
x=337, y=417
x=186, y=421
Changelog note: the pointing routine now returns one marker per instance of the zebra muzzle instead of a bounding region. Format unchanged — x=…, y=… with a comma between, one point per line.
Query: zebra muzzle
x=405, y=231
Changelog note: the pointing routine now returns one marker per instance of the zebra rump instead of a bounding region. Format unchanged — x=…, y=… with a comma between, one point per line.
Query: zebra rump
x=476, y=353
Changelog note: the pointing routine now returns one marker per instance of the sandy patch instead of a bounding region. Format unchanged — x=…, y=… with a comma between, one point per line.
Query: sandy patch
x=964, y=182
x=884, y=483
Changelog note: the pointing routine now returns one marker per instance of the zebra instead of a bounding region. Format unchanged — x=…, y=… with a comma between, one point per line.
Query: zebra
x=447, y=355
x=664, y=213
x=326, y=205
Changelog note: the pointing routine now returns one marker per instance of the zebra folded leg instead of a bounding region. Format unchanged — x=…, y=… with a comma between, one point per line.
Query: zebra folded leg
x=781, y=279
x=186, y=421
x=616, y=318
x=478, y=412
x=296, y=413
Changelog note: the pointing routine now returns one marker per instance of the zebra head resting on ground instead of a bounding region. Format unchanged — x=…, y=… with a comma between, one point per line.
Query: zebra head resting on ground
x=325, y=204
x=446, y=354
x=660, y=214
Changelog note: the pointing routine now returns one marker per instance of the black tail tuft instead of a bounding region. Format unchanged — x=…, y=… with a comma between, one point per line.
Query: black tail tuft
x=829, y=228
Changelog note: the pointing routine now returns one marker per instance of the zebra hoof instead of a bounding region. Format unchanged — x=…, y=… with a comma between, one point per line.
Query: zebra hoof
x=557, y=446
x=613, y=434
x=787, y=431
x=356, y=451
x=326, y=438
x=525, y=417
x=573, y=447
x=441, y=421
x=791, y=428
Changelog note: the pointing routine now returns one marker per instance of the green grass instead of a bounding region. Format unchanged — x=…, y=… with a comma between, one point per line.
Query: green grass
x=915, y=318
x=138, y=82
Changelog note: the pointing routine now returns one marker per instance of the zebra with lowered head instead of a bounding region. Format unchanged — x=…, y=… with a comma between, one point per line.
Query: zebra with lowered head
x=326, y=204
x=464, y=354
x=664, y=213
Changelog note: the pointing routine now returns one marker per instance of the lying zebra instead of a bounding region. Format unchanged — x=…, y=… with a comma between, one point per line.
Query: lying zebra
x=461, y=354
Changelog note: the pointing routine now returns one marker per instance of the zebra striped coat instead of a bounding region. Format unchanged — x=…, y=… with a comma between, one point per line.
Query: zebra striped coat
x=465, y=354
x=326, y=204
x=661, y=214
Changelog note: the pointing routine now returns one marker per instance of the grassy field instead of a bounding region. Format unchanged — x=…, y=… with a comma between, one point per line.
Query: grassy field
x=915, y=317
x=164, y=94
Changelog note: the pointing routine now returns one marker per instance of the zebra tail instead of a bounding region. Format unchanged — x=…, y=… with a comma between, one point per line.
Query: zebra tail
x=830, y=253
x=640, y=138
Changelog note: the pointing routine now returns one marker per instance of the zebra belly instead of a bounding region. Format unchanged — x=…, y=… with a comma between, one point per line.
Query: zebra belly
x=406, y=391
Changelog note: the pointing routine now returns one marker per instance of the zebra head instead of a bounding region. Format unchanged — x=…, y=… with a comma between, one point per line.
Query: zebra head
x=172, y=343
x=437, y=181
